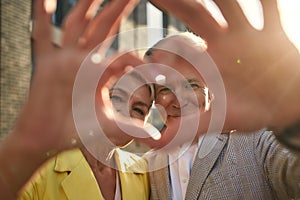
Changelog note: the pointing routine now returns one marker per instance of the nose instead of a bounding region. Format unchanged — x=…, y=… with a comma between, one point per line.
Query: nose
x=180, y=99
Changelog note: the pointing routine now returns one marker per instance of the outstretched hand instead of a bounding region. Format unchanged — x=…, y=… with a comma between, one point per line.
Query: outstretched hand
x=260, y=68
x=50, y=100
x=45, y=125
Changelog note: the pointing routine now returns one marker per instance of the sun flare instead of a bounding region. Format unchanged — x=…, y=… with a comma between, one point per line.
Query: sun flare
x=289, y=11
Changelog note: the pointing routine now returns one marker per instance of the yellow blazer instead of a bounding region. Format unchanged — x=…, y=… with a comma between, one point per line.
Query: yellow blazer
x=69, y=176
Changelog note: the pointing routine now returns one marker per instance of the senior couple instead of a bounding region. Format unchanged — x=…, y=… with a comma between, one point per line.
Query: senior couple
x=205, y=162
x=229, y=165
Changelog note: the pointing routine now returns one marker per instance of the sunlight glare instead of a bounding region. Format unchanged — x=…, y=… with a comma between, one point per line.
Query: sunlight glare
x=290, y=17
x=289, y=11
x=50, y=6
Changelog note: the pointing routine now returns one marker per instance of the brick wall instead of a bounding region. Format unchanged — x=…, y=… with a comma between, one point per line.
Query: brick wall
x=15, y=60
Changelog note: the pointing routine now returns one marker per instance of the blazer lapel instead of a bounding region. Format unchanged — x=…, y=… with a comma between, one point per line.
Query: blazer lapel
x=80, y=182
x=132, y=171
x=160, y=179
x=204, y=163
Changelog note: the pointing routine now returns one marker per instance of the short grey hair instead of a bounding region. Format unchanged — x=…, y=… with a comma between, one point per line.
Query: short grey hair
x=191, y=37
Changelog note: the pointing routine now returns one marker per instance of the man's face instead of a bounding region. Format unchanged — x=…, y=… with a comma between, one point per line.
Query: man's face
x=179, y=95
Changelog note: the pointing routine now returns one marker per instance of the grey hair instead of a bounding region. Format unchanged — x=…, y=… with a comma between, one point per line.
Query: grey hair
x=191, y=37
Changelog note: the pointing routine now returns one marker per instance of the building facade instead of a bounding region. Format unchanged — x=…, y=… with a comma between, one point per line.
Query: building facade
x=16, y=57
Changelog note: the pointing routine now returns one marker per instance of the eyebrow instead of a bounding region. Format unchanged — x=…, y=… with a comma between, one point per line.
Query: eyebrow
x=196, y=80
x=192, y=80
x=141, y=103
x=186, y=81
x=138, y=103
x=118, y=89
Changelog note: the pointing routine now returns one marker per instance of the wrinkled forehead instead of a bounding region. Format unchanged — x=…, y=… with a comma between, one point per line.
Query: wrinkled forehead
x=181, y=54
x=173, y=67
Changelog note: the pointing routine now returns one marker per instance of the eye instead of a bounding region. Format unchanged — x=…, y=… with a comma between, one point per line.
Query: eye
x=138, y=112
x=116, y=99
x=192, y=86
x=164, y=90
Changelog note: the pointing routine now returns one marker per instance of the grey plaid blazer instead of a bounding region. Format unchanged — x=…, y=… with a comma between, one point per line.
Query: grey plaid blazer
x=238, y=166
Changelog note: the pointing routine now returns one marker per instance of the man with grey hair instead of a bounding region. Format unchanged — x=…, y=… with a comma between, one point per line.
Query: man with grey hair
x=227, y=165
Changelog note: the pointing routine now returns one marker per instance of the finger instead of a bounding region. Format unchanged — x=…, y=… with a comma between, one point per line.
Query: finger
x=233, y=13
x=78, y=19
x=271, y=15
x=113, y=71
x=121, y=129
x=116, y=65
x=193, y=14
x=42, y=34
x=107, y=22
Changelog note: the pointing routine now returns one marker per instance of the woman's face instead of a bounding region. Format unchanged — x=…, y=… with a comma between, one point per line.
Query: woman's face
x=131, y=97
